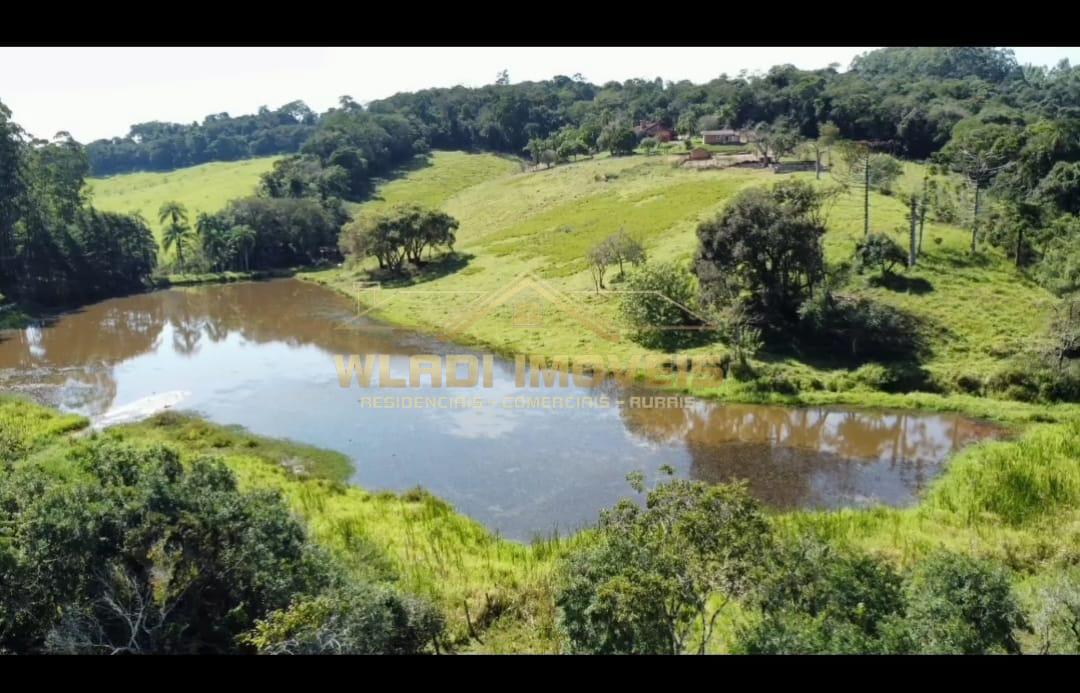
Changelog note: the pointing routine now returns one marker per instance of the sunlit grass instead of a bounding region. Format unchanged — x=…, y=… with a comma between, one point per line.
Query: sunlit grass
x=975, y=312
x=203, y=188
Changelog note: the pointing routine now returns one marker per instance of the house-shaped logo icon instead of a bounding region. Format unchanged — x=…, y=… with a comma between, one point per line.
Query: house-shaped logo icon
x=531, y=299
x=527, y=302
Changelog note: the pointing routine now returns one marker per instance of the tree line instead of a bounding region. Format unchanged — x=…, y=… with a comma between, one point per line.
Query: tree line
x=158, y=146
x=911, y=97
x=54, y=246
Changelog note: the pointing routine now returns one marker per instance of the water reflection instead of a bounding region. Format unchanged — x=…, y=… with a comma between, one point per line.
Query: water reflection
x=260, y=355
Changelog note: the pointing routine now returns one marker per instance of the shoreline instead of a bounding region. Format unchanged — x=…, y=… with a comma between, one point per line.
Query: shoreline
x=1009, y=413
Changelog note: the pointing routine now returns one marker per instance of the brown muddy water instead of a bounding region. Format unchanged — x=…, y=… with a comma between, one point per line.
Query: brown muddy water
x=261, y=355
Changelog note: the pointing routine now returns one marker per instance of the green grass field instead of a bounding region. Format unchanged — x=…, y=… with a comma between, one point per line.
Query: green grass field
x=204, y=188
x=974, y=312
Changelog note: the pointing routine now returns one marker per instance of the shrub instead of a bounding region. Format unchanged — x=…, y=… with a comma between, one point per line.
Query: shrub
x=134, y=552
x=1032, y=380
x=654, y=579
x=961, y=605
x=878, y=250
x=857, y=327
x=357, y=619
x=815, y=598
x=1057, y=620
x=663, y=299
x=818, y=599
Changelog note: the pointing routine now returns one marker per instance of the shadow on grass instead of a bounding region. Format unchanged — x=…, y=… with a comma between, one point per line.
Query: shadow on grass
x=901, y=283
x=412, y=275
x=958, y=258
x=417, y=163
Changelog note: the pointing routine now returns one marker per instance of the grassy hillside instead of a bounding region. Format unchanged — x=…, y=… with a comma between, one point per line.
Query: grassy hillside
x=204, y=188
x=974, y=312
x=430, y=180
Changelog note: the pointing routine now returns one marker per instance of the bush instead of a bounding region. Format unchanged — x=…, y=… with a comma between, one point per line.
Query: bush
x=961, y=605
x=878, y=250
x=1032, y=380
x=666, y=302
x=816, y=598
x=358, y=619
x=131, y=551
x=1057, y=621
x=653, y=579
x=856, y=327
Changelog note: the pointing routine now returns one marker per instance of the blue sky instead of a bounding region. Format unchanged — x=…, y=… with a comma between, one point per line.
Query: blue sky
x=99, y=92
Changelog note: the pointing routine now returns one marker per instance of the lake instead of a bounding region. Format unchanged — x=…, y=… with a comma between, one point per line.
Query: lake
x=261, y=355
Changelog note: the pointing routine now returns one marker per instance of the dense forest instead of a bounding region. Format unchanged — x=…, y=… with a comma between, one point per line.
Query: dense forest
x=160, y=146
x=910, y=96
x=54, y=246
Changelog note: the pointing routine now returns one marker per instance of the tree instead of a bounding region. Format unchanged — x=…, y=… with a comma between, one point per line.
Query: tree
x=655, y=579
x=1017, y=227
x=136, y=552
x=648, y=145
x=961, y=605
x=243, y=237
x=979, y=152
x=1059, y=270
x=165, y=558
x=764, y=251
x=399, y=235
x=534, y=148
x=625, y=248
x=861, y=169
x=214, y=236
x=816, y=598
x=884, y=170
x=572, y=148
x=177, y=233
x=709, y=122
x=599, y=257
x=1061, y=187
x=880, y=251
x=658, y=305
x=617, y=139
x=828, y=136
x=773, y=141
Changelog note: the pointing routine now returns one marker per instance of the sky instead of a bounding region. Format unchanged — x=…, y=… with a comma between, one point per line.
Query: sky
x=99, y=92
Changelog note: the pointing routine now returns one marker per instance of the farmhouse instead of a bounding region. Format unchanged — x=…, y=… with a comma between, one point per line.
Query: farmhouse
x=655, y=129
x=720, y=137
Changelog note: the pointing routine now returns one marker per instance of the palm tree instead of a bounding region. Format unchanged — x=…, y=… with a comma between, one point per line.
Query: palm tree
x=244, y=237
x=176, y=232
x=176, y=235
x=172, y=212
x=215, y=239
